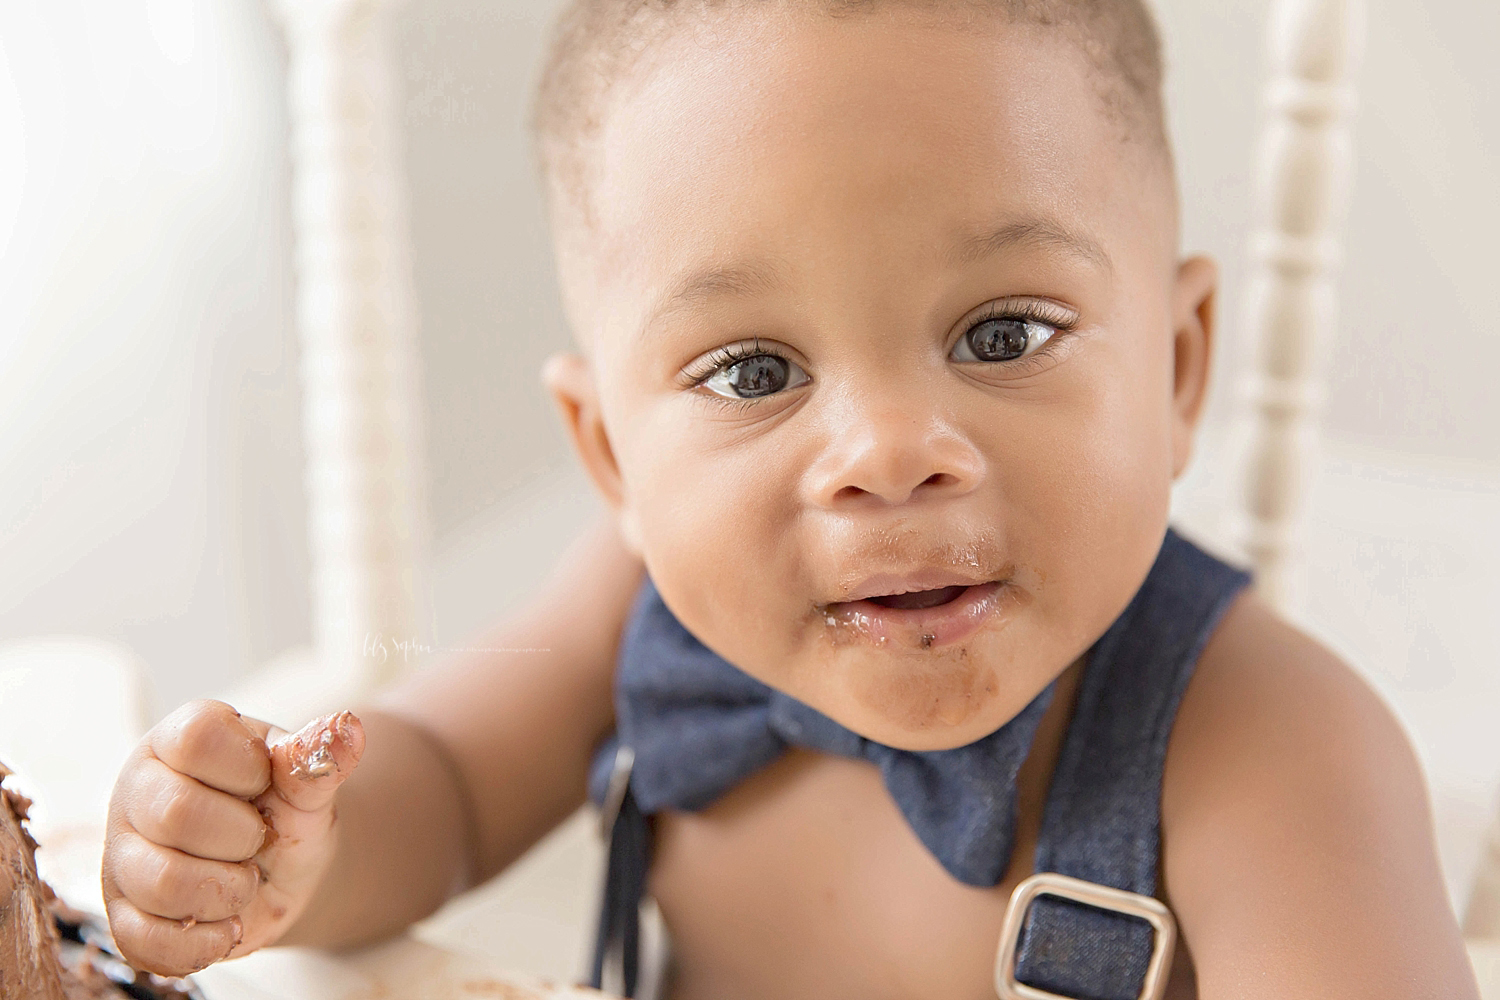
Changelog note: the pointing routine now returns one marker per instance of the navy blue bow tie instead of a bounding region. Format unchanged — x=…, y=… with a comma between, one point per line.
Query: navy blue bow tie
x=699, y=726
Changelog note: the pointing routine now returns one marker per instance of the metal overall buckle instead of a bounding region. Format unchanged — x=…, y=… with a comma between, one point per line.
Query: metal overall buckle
x=1103, y=897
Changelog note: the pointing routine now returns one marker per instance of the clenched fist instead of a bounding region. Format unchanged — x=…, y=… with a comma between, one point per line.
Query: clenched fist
x=220, y=829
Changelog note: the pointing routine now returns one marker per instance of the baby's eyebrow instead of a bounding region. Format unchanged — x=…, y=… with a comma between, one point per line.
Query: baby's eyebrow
x=1042, y=234
x=741, y=278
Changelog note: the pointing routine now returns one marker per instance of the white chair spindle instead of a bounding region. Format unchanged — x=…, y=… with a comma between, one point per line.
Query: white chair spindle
x=355, y=313
x=1303, y=183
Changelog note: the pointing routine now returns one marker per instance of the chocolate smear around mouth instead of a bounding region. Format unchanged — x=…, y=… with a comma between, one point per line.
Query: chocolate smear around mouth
x=919, y=599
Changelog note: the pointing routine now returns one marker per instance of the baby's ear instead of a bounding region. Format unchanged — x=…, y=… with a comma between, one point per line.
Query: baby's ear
x=1192, y=351
x=571, y=382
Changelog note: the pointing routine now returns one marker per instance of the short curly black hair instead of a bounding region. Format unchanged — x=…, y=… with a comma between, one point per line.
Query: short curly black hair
x=597, y=42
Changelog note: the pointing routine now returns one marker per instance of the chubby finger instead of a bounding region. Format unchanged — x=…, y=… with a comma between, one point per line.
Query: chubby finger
x=170, y=947
x=211, y=742
x=308, y=766
x=176, y=811
x=164, y=882
x=298, y=850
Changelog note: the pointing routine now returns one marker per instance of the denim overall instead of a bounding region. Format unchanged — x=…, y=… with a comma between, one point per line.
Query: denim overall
x=690, y=726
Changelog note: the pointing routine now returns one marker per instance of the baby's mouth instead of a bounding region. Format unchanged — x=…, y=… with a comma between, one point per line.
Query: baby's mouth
x=918, y=619
x=919, y=599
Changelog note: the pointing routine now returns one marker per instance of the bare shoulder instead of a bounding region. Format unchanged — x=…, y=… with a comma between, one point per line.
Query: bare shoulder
x=1297, y=842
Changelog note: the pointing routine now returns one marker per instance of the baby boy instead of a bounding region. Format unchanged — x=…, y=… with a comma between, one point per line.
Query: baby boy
x=886, y=362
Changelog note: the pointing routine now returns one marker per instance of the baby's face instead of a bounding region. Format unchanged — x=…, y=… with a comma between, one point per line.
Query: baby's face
x=891, y=365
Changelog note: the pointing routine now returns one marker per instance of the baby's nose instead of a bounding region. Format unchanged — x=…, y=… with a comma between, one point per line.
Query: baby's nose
x=888, y=454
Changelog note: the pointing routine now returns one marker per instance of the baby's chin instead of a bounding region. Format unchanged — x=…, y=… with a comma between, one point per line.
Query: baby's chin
x=934, y=700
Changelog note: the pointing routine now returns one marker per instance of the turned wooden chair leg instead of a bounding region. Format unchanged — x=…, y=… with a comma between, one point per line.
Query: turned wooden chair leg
x=356, y=321
x=1303, y=181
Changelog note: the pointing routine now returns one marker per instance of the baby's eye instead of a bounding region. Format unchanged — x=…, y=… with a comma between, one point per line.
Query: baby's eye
x=758, y=375
x=1002, y=338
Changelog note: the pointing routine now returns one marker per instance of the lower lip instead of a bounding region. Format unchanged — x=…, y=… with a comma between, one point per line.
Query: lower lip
x=919, y=628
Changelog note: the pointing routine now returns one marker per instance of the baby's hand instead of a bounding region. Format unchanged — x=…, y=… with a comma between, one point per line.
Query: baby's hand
x=220, y=829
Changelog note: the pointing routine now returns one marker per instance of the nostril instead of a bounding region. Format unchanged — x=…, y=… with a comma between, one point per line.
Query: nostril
x=853, y=494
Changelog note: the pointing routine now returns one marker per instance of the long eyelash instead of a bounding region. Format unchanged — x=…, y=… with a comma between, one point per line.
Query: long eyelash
x=1022, y=308
x=1025, y=308
x=720, y=358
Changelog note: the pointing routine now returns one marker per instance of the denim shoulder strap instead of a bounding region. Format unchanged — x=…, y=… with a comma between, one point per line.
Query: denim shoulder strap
x=1102, y=821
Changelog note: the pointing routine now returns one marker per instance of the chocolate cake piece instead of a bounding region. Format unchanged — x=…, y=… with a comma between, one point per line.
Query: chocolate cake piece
x=33, y=965
x=30, y=966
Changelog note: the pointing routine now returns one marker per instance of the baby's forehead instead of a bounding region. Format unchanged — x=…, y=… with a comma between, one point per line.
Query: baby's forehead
x=869, y=142
x=604, y=47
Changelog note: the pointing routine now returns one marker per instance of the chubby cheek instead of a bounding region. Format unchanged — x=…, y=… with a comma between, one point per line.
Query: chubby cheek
x=1089, y=501
x=716, y=525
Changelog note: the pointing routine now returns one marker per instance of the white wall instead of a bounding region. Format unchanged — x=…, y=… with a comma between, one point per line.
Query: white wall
x=489, y=309
x=147, y=425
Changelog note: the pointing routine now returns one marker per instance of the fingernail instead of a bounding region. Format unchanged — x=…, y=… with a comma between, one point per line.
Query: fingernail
x=238, y=926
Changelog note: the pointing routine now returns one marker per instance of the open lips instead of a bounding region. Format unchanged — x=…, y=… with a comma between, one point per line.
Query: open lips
x=921, y=619
x=918, y=599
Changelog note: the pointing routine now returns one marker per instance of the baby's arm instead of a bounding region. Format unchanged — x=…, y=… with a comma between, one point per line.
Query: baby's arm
x=1297, y=840
x=463, y=768
x=470, y=763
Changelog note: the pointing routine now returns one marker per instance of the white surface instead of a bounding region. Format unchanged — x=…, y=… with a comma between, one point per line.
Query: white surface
x=403, y=969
